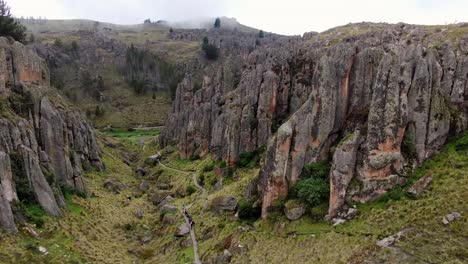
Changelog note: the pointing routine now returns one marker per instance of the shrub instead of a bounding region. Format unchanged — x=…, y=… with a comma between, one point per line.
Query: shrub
x=21, y=179
x=408, y=147
x=190, y=190
x=261, y=34
x=247, y=211
x=208, y=167
x=210, y=50
x=21, y=104
x=312, y=190
x=217, y=23
x=35, y=214
x=58, y=43
x=201, y=179
x=317, y=170
x=250, y=159
x=9, y=26
x=75, y=48
x=195, y=157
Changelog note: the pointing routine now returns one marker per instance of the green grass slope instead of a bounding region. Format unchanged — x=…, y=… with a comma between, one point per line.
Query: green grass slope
x=104, y=229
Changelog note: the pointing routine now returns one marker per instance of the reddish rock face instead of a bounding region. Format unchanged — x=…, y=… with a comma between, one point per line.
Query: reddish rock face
x=299, y=97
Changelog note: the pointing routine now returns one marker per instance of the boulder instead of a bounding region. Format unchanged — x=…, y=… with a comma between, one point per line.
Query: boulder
x=168, y=200
x=420, y=186
x=182, y=230
x=168, y=209
x=448, y=218
x=157, y=197
x=224, y=258
x=140, y=171
x=251, y=191
x=114, y=185
x=144, y=186
x=223, y=203
x=390, y=240
x=139, y=214
x=168, y=219
x=337, y=221
x=294, y=210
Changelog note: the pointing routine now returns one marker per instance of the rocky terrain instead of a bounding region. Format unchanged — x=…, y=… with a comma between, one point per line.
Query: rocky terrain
x=373, y=115
x=44, y=147
x=362, y=98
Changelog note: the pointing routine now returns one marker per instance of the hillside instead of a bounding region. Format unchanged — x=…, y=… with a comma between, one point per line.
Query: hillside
x=107, y=229
x=346, y=146
x=115, y=103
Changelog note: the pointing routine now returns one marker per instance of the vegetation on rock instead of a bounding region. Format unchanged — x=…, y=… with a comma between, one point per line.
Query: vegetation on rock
x=9, y=27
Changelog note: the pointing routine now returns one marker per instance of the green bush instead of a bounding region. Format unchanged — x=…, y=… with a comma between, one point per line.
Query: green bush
x=21, y=104
x=217, y=23
x=261, y=34
x=312, y=191
x=35, y=214
x=462, y=143
x=211, y=51
x=23, y=189
x=190, y=190
x=194, y=157
x=9, y=26
x=58, y=43
x=247, y=211
x=250, y=159
x=208, y=167
x=201, y=179
x=317, y=170
x=408, y=147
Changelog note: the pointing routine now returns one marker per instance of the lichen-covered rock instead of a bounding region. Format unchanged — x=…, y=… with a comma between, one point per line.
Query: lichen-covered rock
x=7, y=221
x=52, y=145
x=420, y=186
x=37, y=181
x=344, y=162
x=294, y=210
x=182, y=230
x=223, y=203
x=6, y=178
x=298, y=97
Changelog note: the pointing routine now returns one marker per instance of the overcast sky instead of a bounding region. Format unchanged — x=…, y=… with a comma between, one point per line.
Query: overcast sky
x=279, y=16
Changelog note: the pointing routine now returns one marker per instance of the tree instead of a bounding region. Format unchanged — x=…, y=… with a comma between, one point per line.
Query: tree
x=58, y=43
x=171, y=30
x=217, y=23
x=211, y=51
x=147, y=21
x=32, y=39
x=75, y=48
x=261, y=34
x=9, y=26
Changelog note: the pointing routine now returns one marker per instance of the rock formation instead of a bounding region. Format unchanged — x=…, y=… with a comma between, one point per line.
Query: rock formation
x=44, y=146
x=380, y=90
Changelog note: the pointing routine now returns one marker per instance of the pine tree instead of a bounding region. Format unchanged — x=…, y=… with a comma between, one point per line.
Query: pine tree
x=217, y=23
x=9, y=27
x=261, y=34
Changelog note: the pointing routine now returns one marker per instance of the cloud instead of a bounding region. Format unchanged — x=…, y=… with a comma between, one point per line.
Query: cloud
x=285, y=17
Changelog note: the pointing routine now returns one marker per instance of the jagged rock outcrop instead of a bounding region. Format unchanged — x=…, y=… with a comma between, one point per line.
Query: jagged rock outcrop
x=44, y=146
x=400, y=86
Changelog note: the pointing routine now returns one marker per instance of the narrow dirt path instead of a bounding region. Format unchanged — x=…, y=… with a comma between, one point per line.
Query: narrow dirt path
x=202, y=196
x=195, y=182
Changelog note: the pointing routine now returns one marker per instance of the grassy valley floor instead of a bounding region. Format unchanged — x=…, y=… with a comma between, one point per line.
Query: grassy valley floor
x=108, y=227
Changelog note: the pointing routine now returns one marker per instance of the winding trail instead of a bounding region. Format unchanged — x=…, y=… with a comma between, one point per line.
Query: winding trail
x=202, y=196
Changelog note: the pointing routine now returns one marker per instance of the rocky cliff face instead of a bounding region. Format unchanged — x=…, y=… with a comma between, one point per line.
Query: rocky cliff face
x=44, y=146
x=365, y=98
